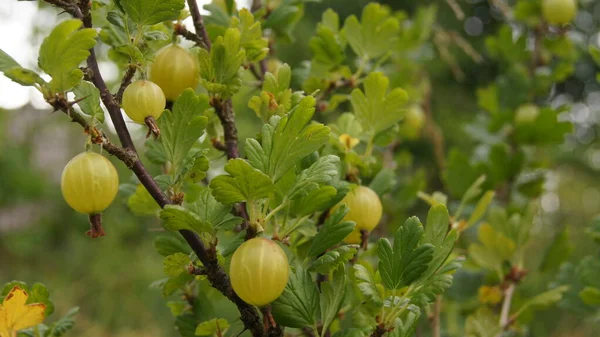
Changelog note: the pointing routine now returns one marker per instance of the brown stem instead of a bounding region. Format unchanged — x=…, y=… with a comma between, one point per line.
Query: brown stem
x=96, y=229
x=199, y=23
x=505, y=312
x=152, y=127
x=379, y=331
x=207, y=255
x=256, y=5
x=126, y=81
x=180, y=29
x=435, y=133
x=226, y=115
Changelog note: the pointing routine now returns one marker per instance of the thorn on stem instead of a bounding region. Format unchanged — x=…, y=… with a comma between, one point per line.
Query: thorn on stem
x=96, y=229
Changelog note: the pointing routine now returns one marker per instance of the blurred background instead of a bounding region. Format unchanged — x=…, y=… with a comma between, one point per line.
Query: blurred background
x=42, y=239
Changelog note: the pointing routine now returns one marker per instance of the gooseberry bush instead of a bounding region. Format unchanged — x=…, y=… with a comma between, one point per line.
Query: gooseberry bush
x=306, y=226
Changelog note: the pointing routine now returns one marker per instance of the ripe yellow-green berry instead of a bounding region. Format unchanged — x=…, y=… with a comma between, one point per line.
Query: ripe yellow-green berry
x=559, y=12
x=174, y=70
x=89, y=183
x=259, y=271
x=365, y=210
x=143, y=99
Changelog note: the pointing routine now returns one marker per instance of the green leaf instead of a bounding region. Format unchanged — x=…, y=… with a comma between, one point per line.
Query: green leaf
x=244, y=183
x=314, y=201
x=590, y=295
x=495, y=249
x=407, y=260
x=326, y=45
x=334, y=230
x=321, y=172
x=141, y=202
x=24, y=76
x=334, y=259
x=209, y=209
x=252, y=40
x=62, y=52
x=168, y=245
x=407, y=323
x=472, y=192
x=220, y=69
x=216, y=326
x=186, y=324
x=438, y=222
x=384, y=181
x=366, y=285
x=176, y=218
x=63, y=325
x=286, y=140
x=180, y=129
x=276, y=96
x=332, y=297
x=38, y=293
x=375, y=108
x=298, y=305
x=7, y=62
x=481, y=207
x=558, y=252
x=174, y=265
x=460, y=173
x=89, y=100
x=151, y=12
x=543, y=300
x=374, y=34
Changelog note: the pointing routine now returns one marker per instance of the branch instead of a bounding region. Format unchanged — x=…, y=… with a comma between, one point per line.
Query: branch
x=199, y=23
x=505, y=313
x=126, y=81
x=226, y=115
x=182, y=31
x=256, y=5
x=215, y=272
x=435, y=320
x=379, y=331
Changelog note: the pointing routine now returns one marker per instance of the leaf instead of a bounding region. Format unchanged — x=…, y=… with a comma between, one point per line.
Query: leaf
x=24, y=76
x=181, y=128
x=186, y=324
x=216, y=326
x=543, y=300
x=558, y=252
x=17, y=315
x=88, y=97
x=326, y=45
x=298, y=305
x=174, y=265
x=314, y=201
x=176, y=218
x=168, y=245
x=151, y=12
x=459, y=174
x=63, y=325
x=590, y=296
x=406, y=261
x=481, y=208
x=334, y=230
x=384, y=181
x=251, y=37
x=276, y=96
x=7, y=62
x=334, y=259
x=366, y=285
x=375, y=108
x=332, y=297
x=62, y=52
x=407, y=323
x=210, y=210
x=141, y=202
x=438, y=222
x=496, y=248
x=286, y=140
x=220, y=69
x=38, y=293
x=244, y=183
x=374, y=34
x=321, y=172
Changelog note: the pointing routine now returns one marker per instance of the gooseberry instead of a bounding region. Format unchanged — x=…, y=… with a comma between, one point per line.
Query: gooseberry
x=413, y=122
x=174, y=70
x=526, y=113
x=259, y=271
x=559, y=12
x=143, y=99
x=365, y=210
x=89, y=183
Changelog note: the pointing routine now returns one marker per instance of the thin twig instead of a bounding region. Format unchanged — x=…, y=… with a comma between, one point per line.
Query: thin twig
x=458, y=12
x=226, y=115
x=180, y=29
x=126, y=81
x=199, y=23
x=256, y=5
x=434, y=132
x=379, y=331
x=505, y=313
x=435, y=320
